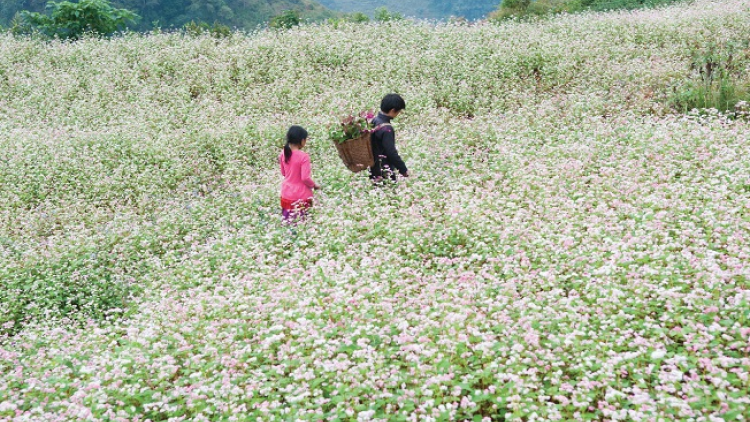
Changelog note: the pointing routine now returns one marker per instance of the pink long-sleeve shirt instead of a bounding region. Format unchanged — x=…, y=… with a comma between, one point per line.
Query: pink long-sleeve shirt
x=298, y=183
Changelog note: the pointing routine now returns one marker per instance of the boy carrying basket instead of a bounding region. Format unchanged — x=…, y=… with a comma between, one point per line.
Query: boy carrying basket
x=383, y=139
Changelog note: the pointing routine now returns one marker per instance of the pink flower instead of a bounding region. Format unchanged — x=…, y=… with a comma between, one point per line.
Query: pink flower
x=711, y=309
x=724, y=408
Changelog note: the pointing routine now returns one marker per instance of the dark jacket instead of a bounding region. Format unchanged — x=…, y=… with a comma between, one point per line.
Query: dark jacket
x=384, y=149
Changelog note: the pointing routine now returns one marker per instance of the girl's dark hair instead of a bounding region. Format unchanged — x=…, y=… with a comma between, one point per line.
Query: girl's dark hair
x=294, y=136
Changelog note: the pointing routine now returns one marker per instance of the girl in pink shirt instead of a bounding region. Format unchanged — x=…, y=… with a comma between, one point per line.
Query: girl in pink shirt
x=297, y=187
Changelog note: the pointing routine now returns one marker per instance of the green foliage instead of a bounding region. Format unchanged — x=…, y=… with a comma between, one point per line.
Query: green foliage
x=722, y=94
x=383, y=15
x=80, y=285
x=358, y=17
x=216, y=30
x=9, y=9
x=718, y=81
x=521, y=8
x=351, y=126
x=285, y=20
x=69, y=20
x=600, y=5
x=516, y=4
x=175, y=14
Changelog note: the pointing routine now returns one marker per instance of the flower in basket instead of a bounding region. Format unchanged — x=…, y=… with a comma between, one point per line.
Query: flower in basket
x=352, y=126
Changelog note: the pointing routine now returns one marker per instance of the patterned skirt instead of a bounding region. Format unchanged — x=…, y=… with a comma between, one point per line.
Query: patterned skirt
x=295, y=209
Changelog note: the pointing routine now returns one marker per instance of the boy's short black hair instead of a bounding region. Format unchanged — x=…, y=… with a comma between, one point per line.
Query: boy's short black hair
x=392, y=101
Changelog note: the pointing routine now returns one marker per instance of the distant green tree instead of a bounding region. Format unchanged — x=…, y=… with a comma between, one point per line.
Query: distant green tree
x=358, y=17
x=383, y=15
x=285, y=20
x=516, y=4
x=216, y=9
x=69, y=20
x=10, y=8
x=216, y=30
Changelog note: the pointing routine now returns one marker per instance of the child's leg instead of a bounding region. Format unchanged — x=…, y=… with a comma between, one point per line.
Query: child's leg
x=286, y=209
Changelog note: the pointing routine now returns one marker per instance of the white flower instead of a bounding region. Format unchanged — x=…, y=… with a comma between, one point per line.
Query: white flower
x=658, y=354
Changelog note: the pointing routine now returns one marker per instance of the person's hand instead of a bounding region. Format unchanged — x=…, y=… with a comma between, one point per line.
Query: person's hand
x=317, y=186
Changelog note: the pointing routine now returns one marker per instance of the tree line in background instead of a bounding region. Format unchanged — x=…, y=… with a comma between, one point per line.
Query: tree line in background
x=70, y=20
x=225, y=15
x=172, y=14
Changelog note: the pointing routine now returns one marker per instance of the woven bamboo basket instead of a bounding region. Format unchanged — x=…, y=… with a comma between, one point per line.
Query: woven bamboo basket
x=356, y=153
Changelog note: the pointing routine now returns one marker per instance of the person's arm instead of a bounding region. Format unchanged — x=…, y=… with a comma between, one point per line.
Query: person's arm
x=306, y=174
x=282, y=166
x=389, y=147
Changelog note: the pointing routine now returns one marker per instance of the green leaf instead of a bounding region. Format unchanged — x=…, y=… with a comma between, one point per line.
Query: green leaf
x=726, y=322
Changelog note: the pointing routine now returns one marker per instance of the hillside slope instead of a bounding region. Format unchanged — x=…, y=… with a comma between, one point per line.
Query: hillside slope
x=429, y=9
x=245, y=14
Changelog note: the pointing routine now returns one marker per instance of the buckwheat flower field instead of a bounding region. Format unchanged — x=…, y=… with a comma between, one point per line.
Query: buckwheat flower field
x=570, y=247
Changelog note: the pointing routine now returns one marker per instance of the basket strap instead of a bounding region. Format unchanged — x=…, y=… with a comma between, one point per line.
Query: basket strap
x=381, y=126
